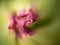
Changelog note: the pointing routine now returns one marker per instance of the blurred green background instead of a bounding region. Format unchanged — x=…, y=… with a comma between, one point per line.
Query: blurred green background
x=47, y=27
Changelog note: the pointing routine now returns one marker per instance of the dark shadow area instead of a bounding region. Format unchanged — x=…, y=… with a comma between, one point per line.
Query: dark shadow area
x=42, y=22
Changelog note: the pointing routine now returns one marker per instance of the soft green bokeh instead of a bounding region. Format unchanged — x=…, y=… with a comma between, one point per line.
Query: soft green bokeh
x=48, y=26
